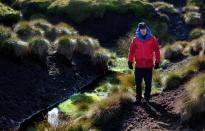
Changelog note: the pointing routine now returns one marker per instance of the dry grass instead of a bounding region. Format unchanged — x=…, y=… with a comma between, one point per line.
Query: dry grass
x=66, y=46
x=126, y=81
x=172, y=81
x=165, y=7
x=175, y=78
x=192, y=103
x=173, y=52
x=26, y=31
x=184, y=48
x=38, y=46
x=109, y=108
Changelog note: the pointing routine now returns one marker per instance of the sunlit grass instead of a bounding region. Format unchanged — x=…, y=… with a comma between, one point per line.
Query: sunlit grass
x=109, y=108
x=7, y=14
x=191, y=105
x=176, y=77
x=78, y=104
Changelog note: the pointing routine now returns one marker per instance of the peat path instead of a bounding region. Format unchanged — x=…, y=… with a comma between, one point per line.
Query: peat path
x=160, y=114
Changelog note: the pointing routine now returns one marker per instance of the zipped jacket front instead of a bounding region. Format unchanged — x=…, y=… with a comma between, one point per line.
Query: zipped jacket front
x=144, y=53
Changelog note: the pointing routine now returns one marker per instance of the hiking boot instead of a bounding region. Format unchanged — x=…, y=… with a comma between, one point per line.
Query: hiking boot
x=145, y=100
x=138, y=100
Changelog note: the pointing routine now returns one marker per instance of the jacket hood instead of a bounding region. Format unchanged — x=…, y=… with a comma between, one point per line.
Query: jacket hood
x=148, y=35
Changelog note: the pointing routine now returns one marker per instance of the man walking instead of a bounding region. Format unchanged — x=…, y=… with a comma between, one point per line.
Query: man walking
x=144, y=50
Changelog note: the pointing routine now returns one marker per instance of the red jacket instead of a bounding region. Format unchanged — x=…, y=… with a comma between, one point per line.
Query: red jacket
x=144, y=54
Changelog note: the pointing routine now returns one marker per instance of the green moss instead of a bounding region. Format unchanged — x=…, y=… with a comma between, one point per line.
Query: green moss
x=8, y=14
x=85, y=98
x=78, y=104
x=119, y=65
x=83, y=9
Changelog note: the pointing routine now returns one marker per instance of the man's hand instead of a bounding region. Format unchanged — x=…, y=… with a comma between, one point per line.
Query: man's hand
x=156, y=66
x=130, y=65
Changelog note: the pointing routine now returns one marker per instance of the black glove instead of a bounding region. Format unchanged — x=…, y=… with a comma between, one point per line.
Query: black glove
x=156, y=66
x=130, y=65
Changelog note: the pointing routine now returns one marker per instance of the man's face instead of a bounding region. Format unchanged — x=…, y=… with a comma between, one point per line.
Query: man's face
x=143, y=31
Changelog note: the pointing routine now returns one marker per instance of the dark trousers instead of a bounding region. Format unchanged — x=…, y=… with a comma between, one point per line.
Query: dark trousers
x=146, y=74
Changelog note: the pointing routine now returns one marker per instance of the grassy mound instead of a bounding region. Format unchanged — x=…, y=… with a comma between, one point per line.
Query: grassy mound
x=109, y=108
x=10, y=44
x=196, y=33
x=192, y=104
x=83, y=9
x=193, y=15
x=26, y=31
x=175, y=78
x=8, y=14
x=38, y=36
x=84, y=45
x=38, y=46
x=173, y=52
x=181, y=49
x=165, y=7
x=66, y=46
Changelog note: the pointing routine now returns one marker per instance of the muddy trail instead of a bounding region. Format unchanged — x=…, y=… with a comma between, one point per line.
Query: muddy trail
x=160, y=114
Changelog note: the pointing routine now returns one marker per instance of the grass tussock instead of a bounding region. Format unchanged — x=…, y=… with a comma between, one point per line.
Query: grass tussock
x=173, y=52
x=84, y=45
x=37, y=36
x=26, y=31
x=38, y=46
x=66, y=46
x=88, y=8
x=181, y=49
x=191, y=105
x=196, y=33
x=10, y=44
x=7, y=14
x=126, y=81
x=172, y=81
x=165, y=7
x=192, y=15
x=109, y=108
x=175, y=78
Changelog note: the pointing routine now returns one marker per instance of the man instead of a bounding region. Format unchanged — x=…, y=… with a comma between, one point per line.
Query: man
x=144, y=50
